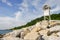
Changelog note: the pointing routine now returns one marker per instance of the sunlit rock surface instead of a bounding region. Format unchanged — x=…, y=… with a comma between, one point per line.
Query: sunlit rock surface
x=32, y=36
x=44, y=30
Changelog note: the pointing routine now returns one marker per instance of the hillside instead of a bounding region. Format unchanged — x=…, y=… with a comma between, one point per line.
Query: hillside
x=53, y=17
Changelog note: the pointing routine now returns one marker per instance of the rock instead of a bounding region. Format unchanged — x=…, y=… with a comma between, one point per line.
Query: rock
x=53, y=38
x=18, y=33
x=13, y=33
x=45, y=37
x=44, y=24
x=38, y=24
x=32, y=36
x=10, y=38
x=25, y=32
x=44, y=32
x=36, y=29
x=58, y=34
x=31, y=27
x=1, y=39
x=55, y=28
x=39, y=31
x=1, y=36
x=54, y=34
x=52, y=23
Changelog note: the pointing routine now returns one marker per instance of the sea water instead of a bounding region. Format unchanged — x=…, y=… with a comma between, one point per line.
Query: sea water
x=5, y=31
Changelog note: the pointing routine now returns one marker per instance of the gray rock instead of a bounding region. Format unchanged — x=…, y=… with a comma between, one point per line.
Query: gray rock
x=55, y=28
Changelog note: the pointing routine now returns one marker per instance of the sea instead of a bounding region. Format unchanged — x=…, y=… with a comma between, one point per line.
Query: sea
x=5, y=31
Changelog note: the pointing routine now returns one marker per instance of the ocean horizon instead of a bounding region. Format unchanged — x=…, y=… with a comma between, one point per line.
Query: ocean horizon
x=2, y=32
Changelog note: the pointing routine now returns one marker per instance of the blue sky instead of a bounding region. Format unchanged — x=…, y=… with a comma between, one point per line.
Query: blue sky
x=19, y=12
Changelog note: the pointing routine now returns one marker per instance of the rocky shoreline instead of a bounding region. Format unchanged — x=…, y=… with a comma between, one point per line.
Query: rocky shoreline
x=40, y=31
x=1, y=36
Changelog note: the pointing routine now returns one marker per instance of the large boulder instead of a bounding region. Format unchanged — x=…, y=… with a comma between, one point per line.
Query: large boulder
x=52, y=23
x=32, y=36
x=53, y=38
x=25, y=32
x=10, y=38
x=55, y=28
x=58, y=33
x=38, y=24
x=31, y=27
x=18, y=33
x=44, y=24
x=36, y=29
x=45, y=37
x=44, y=32
x=13, y=33
x=54, y=34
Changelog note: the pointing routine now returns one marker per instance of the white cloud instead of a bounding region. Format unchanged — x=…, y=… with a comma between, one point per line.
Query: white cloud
x=39, y=11
x=5, y=22
x=50, y=2
x=10, y=22
x=19, y=19
x=27, y=4
x=8, y=3
x=18, y=15
x=27, y=8
x=55, y=9
x=4, y=1
x=53, y=3
x=27, y=13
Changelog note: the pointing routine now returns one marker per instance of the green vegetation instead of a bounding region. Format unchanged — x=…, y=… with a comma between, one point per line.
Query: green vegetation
x=53, y=17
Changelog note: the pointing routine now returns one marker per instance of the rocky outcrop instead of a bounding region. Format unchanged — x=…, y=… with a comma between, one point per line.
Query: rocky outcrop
x=40, y=31
x=1, y=36
x=32, y=36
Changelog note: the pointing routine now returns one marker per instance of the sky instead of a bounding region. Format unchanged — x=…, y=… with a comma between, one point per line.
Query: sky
x=15, y=13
